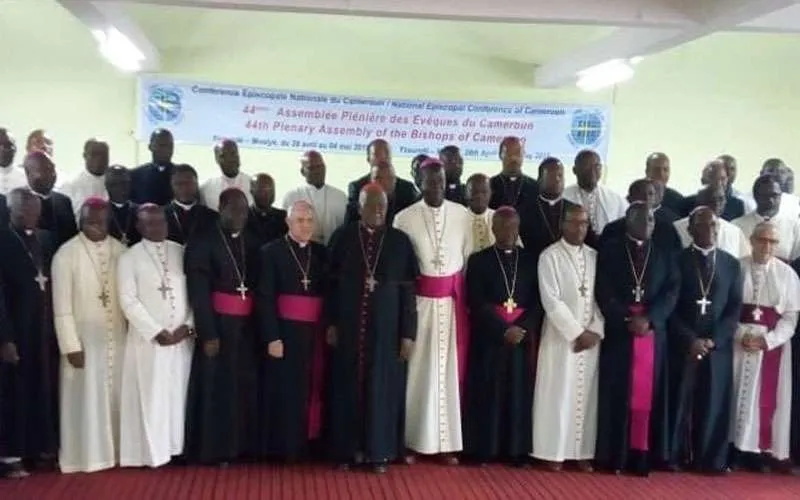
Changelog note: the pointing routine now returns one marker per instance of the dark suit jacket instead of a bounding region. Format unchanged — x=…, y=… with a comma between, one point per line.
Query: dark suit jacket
x=151, y=185
x=58, y=217
x=405, y=195
x=4, y=217
x=200, y=218
x=734, y=207
x=675, y=202
x=528, y=190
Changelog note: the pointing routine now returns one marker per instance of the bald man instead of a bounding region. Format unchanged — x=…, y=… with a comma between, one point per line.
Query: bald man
x=11, y=176
x=790, y=203
x=226, y=154
x=151, y=181
x=57, y=213
x=90, y=183
x=511, y=187
x=657, y=169
x=768, y=197
x=291, y=341
x=330, y=203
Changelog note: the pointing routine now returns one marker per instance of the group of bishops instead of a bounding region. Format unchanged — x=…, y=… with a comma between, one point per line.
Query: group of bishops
x=145, y=319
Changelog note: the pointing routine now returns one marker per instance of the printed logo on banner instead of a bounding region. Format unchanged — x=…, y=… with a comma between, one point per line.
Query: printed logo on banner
x=164, y=104
x=587, y=128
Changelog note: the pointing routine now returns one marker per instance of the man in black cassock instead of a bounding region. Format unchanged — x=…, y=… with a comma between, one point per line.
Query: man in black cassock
x=372, y=309
x=511, y=187
x=715, y=175
x=505, y=317
x=265, y=223
x=185, y=215
x=703, y=327
x=542, y=216
x=664, y=233
x=453, y=163
x=416, y=162
x=57, y=215
x=151, y=181
x=636, y=288
x=221, y=268
x=292, y=326
x=29, y=372
x=657, y=169
x=122, y=216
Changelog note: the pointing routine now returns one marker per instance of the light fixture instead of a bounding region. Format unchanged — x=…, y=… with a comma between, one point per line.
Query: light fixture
x=606, y=74
x=119, y=50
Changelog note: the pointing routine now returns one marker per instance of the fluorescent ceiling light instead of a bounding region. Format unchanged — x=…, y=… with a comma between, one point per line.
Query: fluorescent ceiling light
x=119, y=50
x=606, y=74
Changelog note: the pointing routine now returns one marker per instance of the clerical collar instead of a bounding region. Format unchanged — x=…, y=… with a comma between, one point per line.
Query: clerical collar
x=766, y=218
x=40, y=195
x=572, y=248
x=705, y=251
x=452, y=186
x=120, y=205
x=261, y=211
x=434, y=209
x=481, y=215
x=236, y=234
x=634, y=240
x=28, y=232
x=301, y=244
x=317, y=188
x=588, y=193
x=185, y=206
x=549, y=201
x=160, y=168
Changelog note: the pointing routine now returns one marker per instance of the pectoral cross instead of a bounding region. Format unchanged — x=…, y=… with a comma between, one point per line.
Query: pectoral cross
x=104, y=297
x=305, y=281
x=582, y=289
x=371, y=283
x=510, y=305
x=757, y=313
x=164, y=289
x=242, y=289
x=703, y=303
x=637, y=294
x=42, y=280
x=125, y=239
x=437, y=261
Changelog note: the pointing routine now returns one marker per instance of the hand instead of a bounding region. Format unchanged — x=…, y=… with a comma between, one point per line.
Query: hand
x=699, y=349
x=164, y=338
x=639, y=325
x=585, y=340
x=9, y=353
x=275, y=349
x=331, y=336
x=514, y=335
x=76, y=359
x=211, y=347
x=710, y=344
x=745, y=341
x=181, y=333
x=756, y=343
x=406, y=349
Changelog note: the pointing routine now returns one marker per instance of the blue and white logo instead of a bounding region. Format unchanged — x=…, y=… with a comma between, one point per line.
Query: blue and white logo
x=587, y=128
x=164, y=104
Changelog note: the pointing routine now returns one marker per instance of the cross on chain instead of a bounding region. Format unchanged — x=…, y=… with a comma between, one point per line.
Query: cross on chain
x=164, y=289
x=703, y=303
x=104, y=297
x=242, y=289
x=637, y=294
x=371, y=283
x=510, y=305
x=757, y=313
x=42, y=280
x=583, y=290
x=305, y=281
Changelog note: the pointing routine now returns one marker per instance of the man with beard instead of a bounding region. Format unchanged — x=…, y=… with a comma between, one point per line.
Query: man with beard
x=767, y=194
x=373, y=313
x=57, y=215
x=511, y=187
x=151, y=181
x=636, y=288
x=185, y=215
x=657, y=169
x=226, y=153
x=790, y=203
x=450, y=156
x=122, y=216
x=505, y=317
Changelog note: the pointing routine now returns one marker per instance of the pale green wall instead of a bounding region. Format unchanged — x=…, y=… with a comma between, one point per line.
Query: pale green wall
x=728, y=93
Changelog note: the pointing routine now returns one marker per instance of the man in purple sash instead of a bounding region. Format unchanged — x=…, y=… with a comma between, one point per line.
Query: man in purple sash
x=291, y=321
x=762, y=356
x=636, y=288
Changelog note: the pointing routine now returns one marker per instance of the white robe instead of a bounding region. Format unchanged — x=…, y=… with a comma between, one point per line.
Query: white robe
x=89, y=396
x=433, y=406
x=603, y=205
x=565, y=396
x=729, y=237
x=788, y=233
x=212, y=188
x=486, y=219
x=330, y=205
x=155, y=379
x=780, y=290
x=83, y=187
x=12, y=177
x=790, y=206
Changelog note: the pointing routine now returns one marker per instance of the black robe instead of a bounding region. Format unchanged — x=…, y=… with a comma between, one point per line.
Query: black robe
x=506, y=192
x=456, y=193
x=151, y=183
x=289, y=391
x=675, y=201
x=734, y=207
x=500, y=379
x=58, y=218
x=29, y=390
x=795, y=440
x=4, y=215
x=122, y=223
x=540, y=224
x=183, y=224
x=664, y=232
x=367, y=377
x=405, y=194
x=265, y=226
x=221, y=418
x=702, y=390
x=614, y=286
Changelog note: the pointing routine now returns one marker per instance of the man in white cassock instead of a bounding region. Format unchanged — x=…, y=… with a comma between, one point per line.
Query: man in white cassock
x=438, y=230
x=90, y=329
x=762, y=366
x=11, y=176
x=565, y=395
x=768, y=199
x=90, y=183
x=790, y=203
x=602, y=203
x=330, y=203
x=158, y=353
x=226, y=153
x=729, y=237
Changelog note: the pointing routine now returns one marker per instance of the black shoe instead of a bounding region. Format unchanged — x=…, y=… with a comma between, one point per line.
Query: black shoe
x=343, y=466
x=379, y=468
x=639, y=464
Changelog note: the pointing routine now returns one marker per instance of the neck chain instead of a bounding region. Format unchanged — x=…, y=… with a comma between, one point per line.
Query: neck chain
x=241, y=274
x=757, y=282
x=510, y=305
x=305, y=271
x=436, y=242
x=161, y=267
x=638, y=277
x=580, y=271
x=102, y=274
x=40, y=278
x=703, y=302
x=123, y=231
x=371, y=282
x=553, y=235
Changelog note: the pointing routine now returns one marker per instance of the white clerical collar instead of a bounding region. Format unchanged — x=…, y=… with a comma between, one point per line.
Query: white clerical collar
x=435, y=210
x=301, y=244
x=95, y=243
x=704, y=251
x=28, y=232
x=765, y=218
x=235, y=235
x=315, y=188
x=513, y=179
x=161, y=168
x=157, y=244
x=40, y=195
x=549, y=201
x=589, y=193
x=638, y=242
x=185, y=206
x=570, y=247
x=120, y=205
x=480, y=215
x=452, y=186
